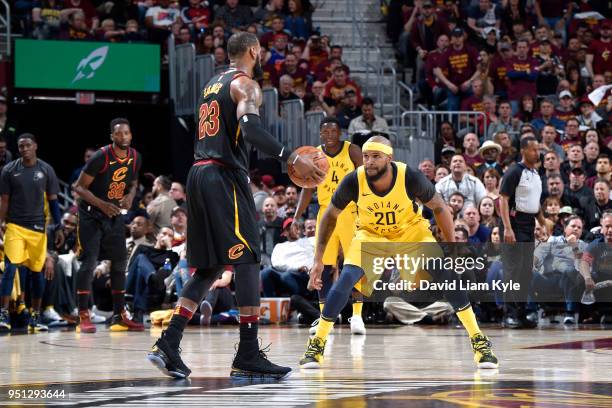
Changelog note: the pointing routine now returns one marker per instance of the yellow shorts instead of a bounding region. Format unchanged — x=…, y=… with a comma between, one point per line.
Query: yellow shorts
x=414, y=241
x=341, y=237
x=25, y=247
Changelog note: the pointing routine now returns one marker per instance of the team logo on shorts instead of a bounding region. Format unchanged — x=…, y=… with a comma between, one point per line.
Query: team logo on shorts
x=236, y=251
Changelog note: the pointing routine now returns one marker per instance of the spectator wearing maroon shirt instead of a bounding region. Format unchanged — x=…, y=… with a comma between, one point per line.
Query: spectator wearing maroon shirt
x=290, y=67
x=543, y=34
x=425, y=30
x=108, y=32
x=522, y=73
x=599, y=54
x=315, y=51
x=470, y=150
x=460, y=61
x=197, y=16
x=325, y=70
x=565, y=110
x=76, y=27
x=430, y=86
x=497, y=69
x=278, y=27
x=91, y=18
x=571, y=134
x=550, y=12
x=340, y=83
x=571, y=52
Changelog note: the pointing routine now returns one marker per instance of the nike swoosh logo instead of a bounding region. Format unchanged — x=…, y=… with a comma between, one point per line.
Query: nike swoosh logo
x=363, y=195
x=113, y=162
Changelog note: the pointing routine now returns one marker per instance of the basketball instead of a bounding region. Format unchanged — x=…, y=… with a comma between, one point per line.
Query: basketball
x=319, y=159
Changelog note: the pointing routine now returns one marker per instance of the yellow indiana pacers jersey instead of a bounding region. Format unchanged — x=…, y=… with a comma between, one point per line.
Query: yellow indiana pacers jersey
x=388, y=215
x=339, y=166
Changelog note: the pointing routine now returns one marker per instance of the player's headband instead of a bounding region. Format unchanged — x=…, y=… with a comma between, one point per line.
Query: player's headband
x=378, y=147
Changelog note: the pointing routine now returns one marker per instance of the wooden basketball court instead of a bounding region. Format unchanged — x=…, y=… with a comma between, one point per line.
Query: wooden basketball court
x=392, y=366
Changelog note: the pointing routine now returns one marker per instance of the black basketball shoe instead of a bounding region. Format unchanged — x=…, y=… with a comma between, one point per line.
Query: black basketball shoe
x=256, y=366
x=167, y=359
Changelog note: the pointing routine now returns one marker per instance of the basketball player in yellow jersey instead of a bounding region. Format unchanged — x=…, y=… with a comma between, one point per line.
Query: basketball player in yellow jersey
x=343, y=158
x=385, y=193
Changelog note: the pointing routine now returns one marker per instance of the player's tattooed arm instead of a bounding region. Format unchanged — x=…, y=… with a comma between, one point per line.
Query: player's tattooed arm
x=326, y=228
x=443, y=216
x=247, y=95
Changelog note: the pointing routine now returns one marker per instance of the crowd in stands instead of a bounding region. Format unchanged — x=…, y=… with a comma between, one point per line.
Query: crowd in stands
x=528, y=65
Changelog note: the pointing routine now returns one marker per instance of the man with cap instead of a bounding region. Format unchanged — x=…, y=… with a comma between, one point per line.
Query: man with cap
x=565, y=110
x=458, y=61
x=291, y=261
x=598, y=54
x=482, y=16
x=588, y=117
x=550, y=67
x=489, y=151
x=447, y=154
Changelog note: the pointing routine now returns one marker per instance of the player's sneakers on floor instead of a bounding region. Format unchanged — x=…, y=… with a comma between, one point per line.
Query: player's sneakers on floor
x=5, y=321
x=123, y=322
x=167, y=359
x=569, y=318
x=85, y=323
x=257, y=367
x=52, y=319
x=313, y=357
x=205, y=313
x=34, y=325
x=313, y=328
x=483, y=354
x=357, y=325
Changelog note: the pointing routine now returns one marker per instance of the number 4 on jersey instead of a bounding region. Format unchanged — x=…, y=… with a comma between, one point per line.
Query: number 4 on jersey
x=209, y=119
x=334, y=178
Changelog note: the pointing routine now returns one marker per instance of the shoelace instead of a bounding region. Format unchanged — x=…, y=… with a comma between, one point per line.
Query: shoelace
x=264, y=350
x=315, y=347
x=482, y=345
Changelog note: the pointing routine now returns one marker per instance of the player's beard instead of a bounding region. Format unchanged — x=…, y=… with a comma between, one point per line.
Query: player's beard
x=258, y=70
x=377, y=176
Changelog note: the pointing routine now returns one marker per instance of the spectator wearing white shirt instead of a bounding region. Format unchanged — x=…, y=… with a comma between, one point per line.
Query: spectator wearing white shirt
x=368, y=121
x=459, y=180
x=159, y=20
x=291, y=262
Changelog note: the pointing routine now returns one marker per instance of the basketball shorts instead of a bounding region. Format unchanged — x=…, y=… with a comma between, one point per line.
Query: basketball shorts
x=341, y=237
x=414, y=241
x=25, y=247
x=222, y=227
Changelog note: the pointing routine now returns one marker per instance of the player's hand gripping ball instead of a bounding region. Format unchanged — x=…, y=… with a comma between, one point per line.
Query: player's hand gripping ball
x=318, y=158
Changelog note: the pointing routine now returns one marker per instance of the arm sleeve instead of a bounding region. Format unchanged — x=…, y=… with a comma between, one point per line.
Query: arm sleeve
x=347, y=191
x=510, y=181
x=418, y=186
x=255, y=134
x=138, y=164
x=95, y=163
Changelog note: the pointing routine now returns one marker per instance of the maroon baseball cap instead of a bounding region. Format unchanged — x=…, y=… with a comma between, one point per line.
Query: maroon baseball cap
x=287, y=223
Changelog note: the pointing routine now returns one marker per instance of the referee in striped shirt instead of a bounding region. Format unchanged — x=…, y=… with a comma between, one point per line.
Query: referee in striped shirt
x=519, y=206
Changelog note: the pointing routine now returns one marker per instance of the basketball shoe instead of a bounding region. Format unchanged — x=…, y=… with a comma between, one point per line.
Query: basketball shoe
x=254, y=365
x=313, y=357
x=483, y=354
x=167, y=359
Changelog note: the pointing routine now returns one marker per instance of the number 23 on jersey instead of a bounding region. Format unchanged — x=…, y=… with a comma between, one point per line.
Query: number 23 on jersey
x=209, y=119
